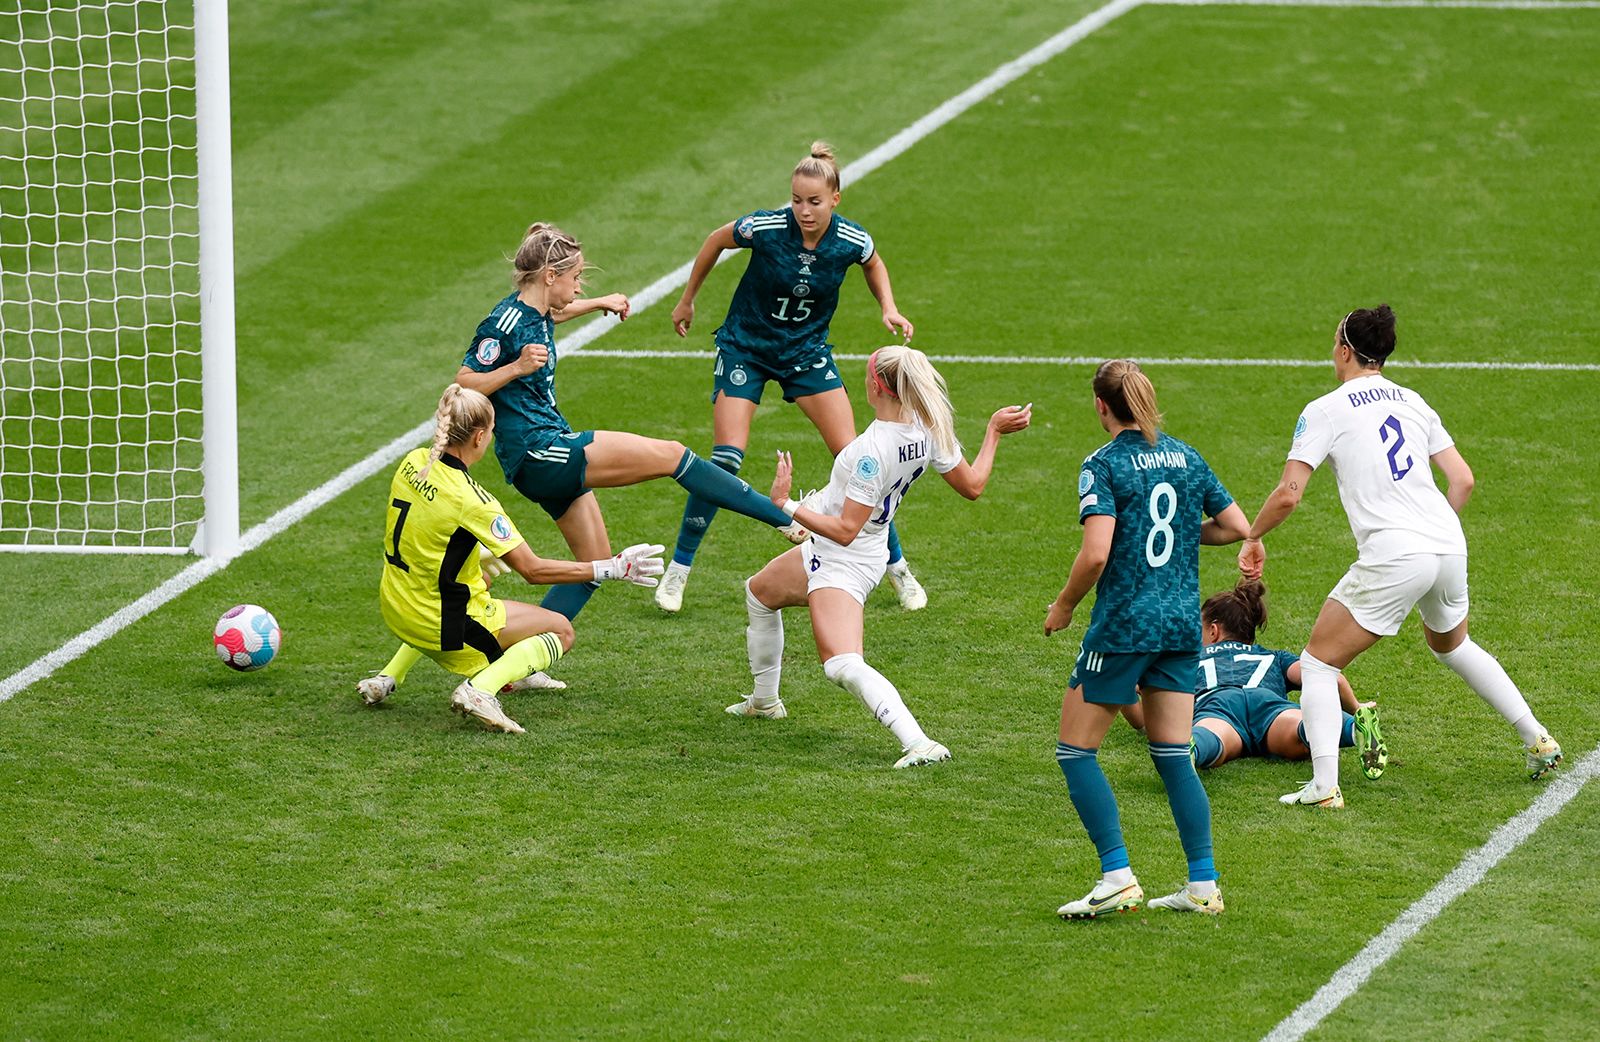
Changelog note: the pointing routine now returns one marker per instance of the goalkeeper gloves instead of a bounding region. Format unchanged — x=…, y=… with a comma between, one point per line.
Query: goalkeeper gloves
x=637, y=564
x=491, y=566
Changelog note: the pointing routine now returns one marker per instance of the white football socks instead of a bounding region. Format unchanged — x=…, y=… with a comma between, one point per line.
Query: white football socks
x=1319, y=712
x=1484, y=674
x=763, y=639
x=852, y=673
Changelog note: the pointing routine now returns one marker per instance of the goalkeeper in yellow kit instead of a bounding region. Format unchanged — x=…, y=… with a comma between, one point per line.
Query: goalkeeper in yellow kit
x=443, y=531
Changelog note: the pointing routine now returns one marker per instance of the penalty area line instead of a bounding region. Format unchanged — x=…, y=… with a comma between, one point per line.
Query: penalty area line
x=1266, y=363
x=1467, y=874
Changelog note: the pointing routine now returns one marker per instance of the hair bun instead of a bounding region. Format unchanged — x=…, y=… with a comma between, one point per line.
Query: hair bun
x=822, y=150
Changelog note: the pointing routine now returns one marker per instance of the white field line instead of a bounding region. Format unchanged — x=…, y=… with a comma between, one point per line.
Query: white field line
x=1468, y=5
x=1264, y=363
x=590, y=331
x=1467, y=874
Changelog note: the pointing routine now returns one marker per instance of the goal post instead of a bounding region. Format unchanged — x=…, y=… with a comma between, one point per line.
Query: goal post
x=118, y=429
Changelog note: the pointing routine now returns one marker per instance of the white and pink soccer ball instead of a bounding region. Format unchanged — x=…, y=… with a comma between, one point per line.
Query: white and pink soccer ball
x=247, y=637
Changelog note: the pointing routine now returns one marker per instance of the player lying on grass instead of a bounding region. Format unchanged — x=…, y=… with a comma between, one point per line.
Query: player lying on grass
x=843, y=560
x=1143, y=500
x=1380, y=439
x=1242, y=708
x=777, y=329
x=512, y=359
x=433, y=593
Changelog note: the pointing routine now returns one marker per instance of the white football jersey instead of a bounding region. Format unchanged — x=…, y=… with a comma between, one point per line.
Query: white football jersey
x=877, y=469
x=1378, y=437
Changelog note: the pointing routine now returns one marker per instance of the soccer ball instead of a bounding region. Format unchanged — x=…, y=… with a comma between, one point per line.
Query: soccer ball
x=247, y=637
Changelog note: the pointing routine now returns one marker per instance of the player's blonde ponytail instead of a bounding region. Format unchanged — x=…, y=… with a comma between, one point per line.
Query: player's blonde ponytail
x=462, y=413
x=545, y=246
x=1129, y=394
x=905, y=373
x=820, y=164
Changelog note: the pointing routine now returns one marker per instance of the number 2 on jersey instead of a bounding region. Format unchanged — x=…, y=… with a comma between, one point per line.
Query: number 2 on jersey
x=1392, y=424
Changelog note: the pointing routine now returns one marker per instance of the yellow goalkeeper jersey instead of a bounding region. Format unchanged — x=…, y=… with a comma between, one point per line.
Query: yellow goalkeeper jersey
x=433, y=593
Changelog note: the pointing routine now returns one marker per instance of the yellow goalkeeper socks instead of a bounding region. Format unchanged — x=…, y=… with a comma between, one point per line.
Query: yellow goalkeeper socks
x=405, y=656
x=522, y=659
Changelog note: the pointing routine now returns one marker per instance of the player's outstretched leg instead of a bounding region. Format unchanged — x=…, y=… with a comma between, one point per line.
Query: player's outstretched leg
x=851, y=672
x=1118, y=890
x=697, y=517
x=1484, y=674
x=763, y=636
x=375, y=689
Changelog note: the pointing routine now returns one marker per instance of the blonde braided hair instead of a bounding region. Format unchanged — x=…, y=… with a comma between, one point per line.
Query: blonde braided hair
x=462, y=412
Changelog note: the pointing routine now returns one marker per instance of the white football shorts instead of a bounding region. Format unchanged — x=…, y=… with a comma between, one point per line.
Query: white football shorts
x=832, y=567
x=1382, y=594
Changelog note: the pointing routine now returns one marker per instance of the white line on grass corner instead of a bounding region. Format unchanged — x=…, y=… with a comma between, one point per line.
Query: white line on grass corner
x=1467, y=874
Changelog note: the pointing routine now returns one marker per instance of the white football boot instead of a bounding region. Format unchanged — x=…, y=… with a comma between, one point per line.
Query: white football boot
x=1184, y=901
x=1308, y=795
x=535, y=682
x=748, y=707
x=927, y=751
x=469, y=701
x=912, y=596
x=1104, y=899
x=669, y=595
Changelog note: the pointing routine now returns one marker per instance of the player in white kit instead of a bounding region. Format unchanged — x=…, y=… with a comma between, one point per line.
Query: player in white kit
x=843, y=560
x=1379, y=438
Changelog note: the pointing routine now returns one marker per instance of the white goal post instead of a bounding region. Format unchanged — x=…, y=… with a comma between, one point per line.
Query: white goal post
x=118, y=431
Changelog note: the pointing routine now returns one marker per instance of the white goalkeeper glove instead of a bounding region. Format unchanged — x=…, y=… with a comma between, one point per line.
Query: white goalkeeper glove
x=637, y=564
x=491, y=566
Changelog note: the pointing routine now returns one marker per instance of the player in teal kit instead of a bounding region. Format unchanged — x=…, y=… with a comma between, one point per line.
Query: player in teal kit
x=1141, y=499
x=512, y=359
x=777, y=330
x=1243, y=708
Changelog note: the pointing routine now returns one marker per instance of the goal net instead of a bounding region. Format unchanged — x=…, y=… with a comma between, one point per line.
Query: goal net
x=102, y=415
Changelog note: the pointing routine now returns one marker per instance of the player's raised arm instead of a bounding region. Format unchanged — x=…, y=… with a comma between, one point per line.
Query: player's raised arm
x=970, y=479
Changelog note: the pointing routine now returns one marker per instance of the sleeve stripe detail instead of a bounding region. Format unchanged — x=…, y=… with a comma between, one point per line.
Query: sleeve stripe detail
x=857, y=234
x=507, y=320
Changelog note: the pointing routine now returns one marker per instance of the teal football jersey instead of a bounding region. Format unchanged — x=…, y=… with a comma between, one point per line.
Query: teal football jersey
x=526, y=418
x=1148, y=597
x=1231, y=663
x=787, y=296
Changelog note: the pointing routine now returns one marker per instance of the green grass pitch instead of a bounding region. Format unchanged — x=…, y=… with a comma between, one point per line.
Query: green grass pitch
x=191, y=853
